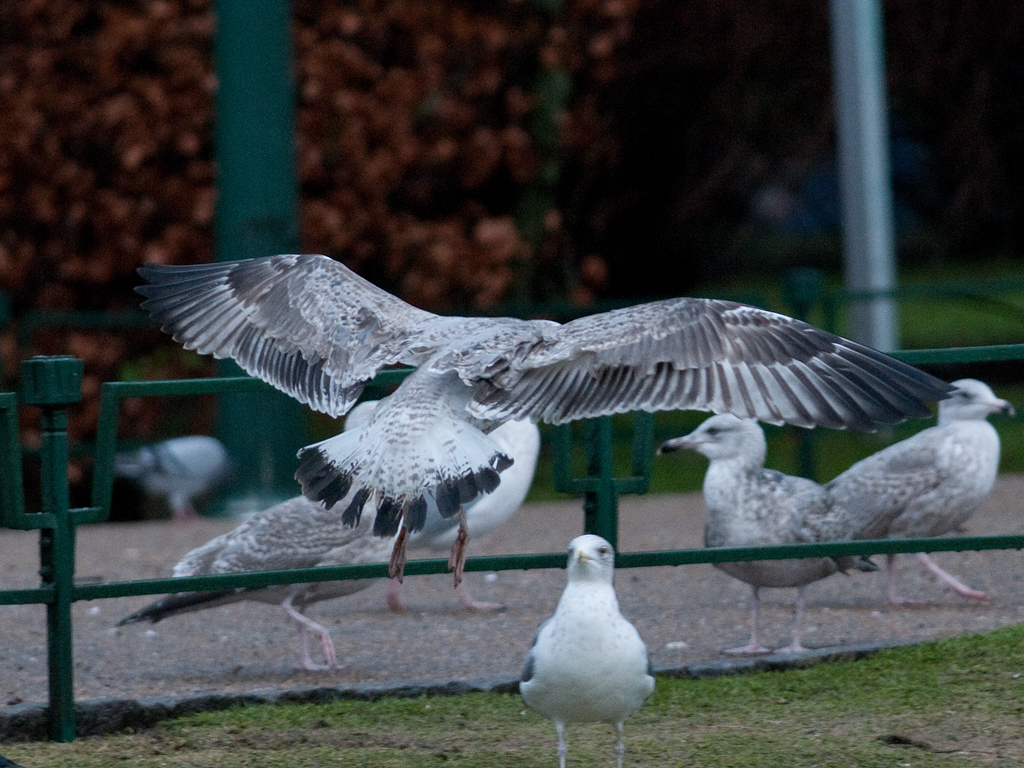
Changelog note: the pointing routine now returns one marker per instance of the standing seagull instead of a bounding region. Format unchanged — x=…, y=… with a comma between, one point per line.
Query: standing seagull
x=930, y=483
x=314, y=329
x=180, y=469
x=297, y=533
x=520, y=440
x=587, y=663
x=750, y=506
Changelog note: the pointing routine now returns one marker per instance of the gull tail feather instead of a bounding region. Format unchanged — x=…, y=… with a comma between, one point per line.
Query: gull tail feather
x=448, y=462
x=182, y=602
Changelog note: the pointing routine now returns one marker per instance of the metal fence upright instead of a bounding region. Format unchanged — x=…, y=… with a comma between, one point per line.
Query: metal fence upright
x=53, y=384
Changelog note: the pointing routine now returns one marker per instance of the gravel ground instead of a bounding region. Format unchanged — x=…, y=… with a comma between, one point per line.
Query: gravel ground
x=685, y=614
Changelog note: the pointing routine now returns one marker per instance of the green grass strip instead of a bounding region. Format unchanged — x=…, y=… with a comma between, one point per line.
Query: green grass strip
x=957, y=702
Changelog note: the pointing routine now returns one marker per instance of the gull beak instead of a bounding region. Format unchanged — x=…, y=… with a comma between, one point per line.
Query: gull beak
x=1004, y=407
x=581, y=556
x=677, y=444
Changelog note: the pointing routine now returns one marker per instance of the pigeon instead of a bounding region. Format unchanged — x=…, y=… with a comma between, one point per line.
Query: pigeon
x=750, y=506
x=180, y=469
x=314, y=329
x=297, y=533
x=928, y=484
x=587, y=663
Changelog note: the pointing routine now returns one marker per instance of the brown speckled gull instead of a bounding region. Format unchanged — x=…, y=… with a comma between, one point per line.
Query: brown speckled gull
x=750, y=506
x=928, y=484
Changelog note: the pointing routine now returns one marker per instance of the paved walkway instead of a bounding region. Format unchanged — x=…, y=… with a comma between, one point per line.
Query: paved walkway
x=685, y=614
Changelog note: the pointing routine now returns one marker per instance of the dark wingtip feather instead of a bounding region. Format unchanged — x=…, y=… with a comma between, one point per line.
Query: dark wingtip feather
x=447, y=496
x=501, y=462
x=354, y=511
x=320, y=479
x=416, y=515
x=488, y=479
x=389, y=517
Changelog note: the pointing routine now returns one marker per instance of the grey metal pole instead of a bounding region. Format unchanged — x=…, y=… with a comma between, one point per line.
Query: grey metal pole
x=257, y=215
x=858, y=67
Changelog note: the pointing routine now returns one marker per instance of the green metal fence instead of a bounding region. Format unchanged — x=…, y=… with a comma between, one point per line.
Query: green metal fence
x=54, y=383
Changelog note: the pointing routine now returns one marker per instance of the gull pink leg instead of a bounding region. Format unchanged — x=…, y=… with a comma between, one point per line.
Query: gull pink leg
x=753, y=647
x=890, y=583
x=955, y=584
x=307, y=624
x=473, y=605
x=796, y=646
x=393, y=597
x=457, y=559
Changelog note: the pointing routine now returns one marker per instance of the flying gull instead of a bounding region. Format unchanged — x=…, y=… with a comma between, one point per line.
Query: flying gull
x=519, y=440
x=297, y=533
x=180, y=469
x=750, y=506
x=314, y=329
x=587, y=663
x=928, y=484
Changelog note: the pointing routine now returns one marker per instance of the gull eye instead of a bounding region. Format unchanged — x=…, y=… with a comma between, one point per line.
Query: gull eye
x=713, y=431
x=602, y=550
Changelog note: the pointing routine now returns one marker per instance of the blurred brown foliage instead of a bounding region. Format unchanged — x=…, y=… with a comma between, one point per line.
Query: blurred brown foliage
x=413, y=148
x=417, y=143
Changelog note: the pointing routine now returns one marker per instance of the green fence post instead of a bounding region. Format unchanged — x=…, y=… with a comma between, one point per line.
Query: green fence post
x=801, y=288
x=600, y=489
x=257, y=215
x=601, y=502
x=52, y=383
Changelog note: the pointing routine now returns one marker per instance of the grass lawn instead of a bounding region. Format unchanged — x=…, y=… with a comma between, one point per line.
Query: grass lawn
x=947, y=703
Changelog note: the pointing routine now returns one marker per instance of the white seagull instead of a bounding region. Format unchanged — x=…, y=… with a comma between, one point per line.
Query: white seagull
x=587, y=663
x=314, y=329
x=180, y=469
x=750, y=506
x=297, y=533
x=520, y=440
x=930, y=483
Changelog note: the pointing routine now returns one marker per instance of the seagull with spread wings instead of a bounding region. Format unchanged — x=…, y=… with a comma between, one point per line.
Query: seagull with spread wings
x=314, y=329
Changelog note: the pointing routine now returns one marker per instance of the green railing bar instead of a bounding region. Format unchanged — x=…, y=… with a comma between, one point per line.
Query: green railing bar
x=40, y=595
x=983, y=354
x=255, y=579
x=826, y=549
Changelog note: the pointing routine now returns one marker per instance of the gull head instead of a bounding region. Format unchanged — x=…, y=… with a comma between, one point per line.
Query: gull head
x=591, y=558
x=722, y=437
x=972, y=400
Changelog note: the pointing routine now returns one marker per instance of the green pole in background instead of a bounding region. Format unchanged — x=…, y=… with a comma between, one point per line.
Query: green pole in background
x=257, y=215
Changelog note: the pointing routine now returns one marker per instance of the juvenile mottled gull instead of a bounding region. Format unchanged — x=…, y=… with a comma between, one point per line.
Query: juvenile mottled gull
x=180, y=469
x=750, y=506
x=587, y=663
x=319, y=332
x=297, y=533
x=930, y=483
x=520, y=440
